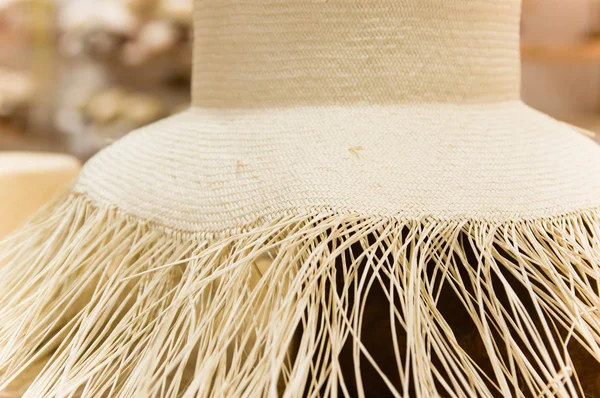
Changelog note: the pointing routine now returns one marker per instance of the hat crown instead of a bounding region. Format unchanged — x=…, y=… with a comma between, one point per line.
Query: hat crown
x=273, y=53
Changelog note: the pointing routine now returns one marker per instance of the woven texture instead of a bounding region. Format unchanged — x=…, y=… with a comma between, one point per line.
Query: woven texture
x=357, y=204
x=214, y=170
x=404, y=108
x=257, y=53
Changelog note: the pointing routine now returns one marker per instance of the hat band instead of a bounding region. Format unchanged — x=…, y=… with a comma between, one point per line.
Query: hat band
x=252, y=53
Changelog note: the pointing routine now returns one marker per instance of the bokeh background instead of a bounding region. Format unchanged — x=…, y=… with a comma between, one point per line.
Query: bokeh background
x=77, y=74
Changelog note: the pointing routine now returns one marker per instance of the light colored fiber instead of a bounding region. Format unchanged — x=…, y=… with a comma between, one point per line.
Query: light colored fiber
x=210, y=170
x=356, y=205
x=276, y=53
x=119, y=307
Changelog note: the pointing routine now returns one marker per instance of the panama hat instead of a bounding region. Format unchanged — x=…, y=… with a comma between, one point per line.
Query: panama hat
x=356, y=204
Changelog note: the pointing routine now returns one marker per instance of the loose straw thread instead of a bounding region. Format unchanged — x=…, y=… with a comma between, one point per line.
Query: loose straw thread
x=95, y=304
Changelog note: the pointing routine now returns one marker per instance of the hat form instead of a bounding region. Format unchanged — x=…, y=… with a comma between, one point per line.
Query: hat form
x=356, y=204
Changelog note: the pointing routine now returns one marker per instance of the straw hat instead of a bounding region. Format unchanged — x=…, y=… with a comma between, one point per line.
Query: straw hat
x=356, y=204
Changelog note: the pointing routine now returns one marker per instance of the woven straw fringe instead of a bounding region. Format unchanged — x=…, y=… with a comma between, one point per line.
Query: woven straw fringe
x=94, y=303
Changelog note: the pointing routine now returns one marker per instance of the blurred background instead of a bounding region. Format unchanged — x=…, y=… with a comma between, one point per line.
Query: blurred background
x=77, y=74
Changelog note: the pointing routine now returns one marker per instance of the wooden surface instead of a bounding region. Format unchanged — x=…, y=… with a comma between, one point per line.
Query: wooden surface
x=586, y=122
x=586, y=52
x=29, y=181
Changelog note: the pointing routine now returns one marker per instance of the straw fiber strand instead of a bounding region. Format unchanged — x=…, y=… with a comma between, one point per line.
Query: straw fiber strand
x=111, y=306
x=356, y=205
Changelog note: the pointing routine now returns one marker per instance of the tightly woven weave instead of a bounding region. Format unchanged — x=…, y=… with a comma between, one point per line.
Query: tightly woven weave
x=357, y=204
x=257, y=54
x=498, y=162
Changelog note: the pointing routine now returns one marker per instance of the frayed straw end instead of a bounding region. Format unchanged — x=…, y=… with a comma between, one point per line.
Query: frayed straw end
x=94, y=303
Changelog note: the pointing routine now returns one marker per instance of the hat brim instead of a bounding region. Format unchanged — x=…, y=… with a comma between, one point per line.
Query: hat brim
x=216, y=169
